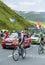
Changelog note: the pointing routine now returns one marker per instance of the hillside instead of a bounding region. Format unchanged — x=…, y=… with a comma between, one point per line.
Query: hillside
x=33, y=15
x=6, y=13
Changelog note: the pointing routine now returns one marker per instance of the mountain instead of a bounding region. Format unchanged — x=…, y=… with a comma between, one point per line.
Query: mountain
x=33, y=15
x=7, y=15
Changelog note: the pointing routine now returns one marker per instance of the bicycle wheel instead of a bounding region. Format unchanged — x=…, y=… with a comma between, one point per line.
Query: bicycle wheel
x=40, y=50
x=15, y=54
x=24, y=54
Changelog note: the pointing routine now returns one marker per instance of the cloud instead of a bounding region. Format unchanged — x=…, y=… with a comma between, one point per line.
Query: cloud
x=26, y=3
x=21, y=5
x=38, y=1
x=12, y=6
x=40, y=10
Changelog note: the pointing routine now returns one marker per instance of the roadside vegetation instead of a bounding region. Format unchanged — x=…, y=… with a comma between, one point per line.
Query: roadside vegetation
x=0, y=40
x=6, y=13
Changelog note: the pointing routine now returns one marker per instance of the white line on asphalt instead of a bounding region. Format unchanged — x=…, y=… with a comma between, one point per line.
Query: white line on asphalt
x=10, y=56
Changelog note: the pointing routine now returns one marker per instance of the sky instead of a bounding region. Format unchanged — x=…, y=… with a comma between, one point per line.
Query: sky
x=26, y=5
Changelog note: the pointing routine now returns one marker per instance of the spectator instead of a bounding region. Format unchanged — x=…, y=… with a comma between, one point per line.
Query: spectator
x=2, y=35
x=6, y=33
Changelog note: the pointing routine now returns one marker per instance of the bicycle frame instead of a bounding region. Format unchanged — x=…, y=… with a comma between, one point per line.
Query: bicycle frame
x=20, y=52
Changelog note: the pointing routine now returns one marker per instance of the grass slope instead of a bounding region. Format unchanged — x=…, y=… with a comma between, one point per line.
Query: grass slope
x=6, y=13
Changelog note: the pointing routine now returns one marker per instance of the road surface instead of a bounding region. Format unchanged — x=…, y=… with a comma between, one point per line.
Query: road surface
x=32, y=57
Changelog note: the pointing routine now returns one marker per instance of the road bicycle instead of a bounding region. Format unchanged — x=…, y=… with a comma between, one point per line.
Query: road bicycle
x=17, y=52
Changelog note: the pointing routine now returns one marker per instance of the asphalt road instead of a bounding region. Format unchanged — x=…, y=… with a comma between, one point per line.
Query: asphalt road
x=32, y=57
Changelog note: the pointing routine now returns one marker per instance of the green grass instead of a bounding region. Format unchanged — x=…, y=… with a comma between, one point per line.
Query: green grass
x=0, y=40
x=43, y=24
x=6, y=13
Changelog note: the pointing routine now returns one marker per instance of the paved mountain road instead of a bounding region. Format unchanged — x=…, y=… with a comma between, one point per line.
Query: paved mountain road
x=32, y=57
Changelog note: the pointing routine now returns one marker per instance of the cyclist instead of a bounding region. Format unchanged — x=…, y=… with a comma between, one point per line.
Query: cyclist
x=2, y=35
x=21, y=42
x=41, y=41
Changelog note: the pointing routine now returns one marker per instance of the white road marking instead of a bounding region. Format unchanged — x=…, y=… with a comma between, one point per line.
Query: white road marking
x=10, y=56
